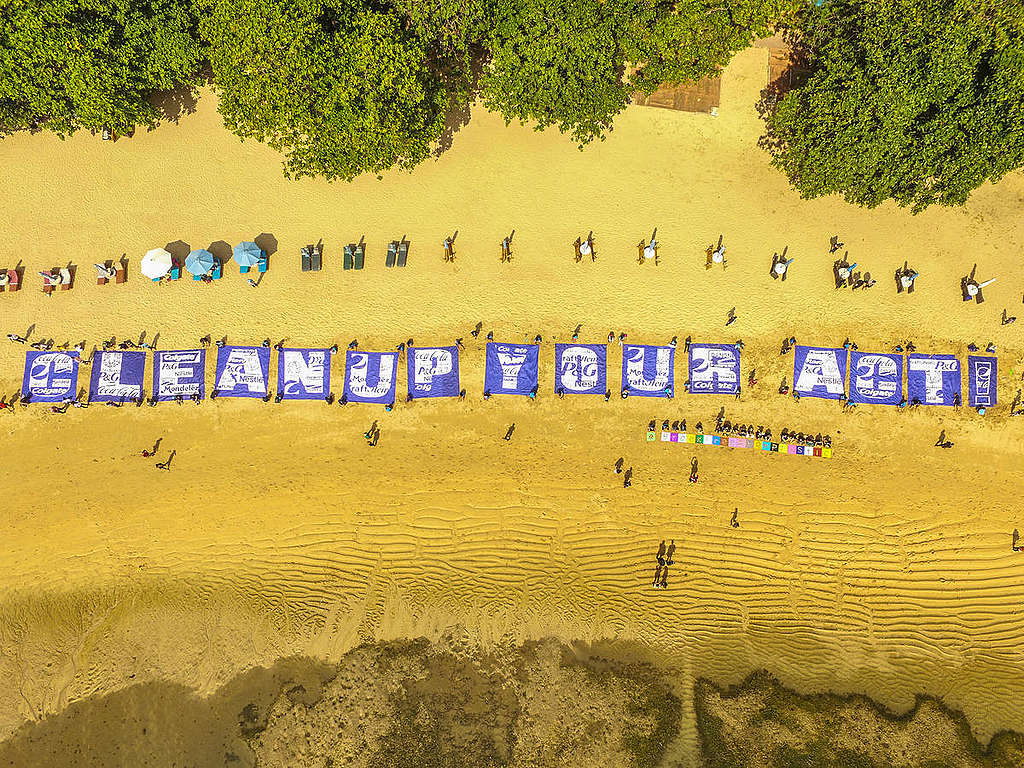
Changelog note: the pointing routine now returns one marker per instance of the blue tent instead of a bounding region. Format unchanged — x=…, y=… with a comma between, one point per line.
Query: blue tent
x=248, y=254
x=199, y=262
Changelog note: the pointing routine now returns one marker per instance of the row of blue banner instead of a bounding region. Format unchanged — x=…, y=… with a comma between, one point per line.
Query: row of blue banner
x=510, y=369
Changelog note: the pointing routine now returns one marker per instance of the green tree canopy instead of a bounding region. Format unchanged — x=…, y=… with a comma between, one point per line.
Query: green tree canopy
x=918, y=101
x=69, y=64
x=342, y=88
x=681, y=41
x=558, y=62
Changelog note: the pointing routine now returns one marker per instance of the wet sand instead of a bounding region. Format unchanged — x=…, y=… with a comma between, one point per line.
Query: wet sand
x=279, y=531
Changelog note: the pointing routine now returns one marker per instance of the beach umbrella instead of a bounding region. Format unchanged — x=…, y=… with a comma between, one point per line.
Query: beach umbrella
x=156, y=263
x=248, y=254
x=199, y=262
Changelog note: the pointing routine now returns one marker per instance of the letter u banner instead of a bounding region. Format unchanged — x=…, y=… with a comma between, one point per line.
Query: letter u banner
x=648, y=371
x=370, y=376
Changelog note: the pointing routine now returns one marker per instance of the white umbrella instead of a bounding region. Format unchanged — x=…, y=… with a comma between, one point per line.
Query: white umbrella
x=156, y=263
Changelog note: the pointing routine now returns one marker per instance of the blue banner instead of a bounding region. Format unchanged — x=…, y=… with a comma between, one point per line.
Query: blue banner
x=179, y=372
x=511, y=369
x=876, y=378
x=981, y=381
x=50, y=377
x=433, y=371
x=714, y=369
x=648, y=371
x=581, y=369
x=304, y=374
x=242, y=371
x=370, y=376
x=933, y=379
x=819, y=372
x=117, y=376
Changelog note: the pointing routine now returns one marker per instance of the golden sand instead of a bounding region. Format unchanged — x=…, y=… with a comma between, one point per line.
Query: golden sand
x=886, y=570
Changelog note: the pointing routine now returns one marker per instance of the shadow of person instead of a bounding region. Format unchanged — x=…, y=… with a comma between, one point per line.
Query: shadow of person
x=267, y=243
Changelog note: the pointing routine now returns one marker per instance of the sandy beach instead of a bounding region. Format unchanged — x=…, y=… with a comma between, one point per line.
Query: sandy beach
x=886, y=570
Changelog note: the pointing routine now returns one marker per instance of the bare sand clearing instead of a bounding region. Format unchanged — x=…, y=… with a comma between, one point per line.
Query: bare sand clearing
x=886, y=570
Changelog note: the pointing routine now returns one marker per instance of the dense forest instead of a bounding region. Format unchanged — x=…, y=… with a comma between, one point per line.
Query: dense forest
x=917, y=101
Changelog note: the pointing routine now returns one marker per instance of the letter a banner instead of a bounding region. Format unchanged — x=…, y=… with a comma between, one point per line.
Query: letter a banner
x=116, y=376
x=876, y=378
x=370, y=376
x=981, y=381
x=511, y=369
x=819, y=372
x=433, y=371
x=648, y=371
x=581, y=369
x=50, y=377
x=243, y=371
x=303, y=374
x=933, y=379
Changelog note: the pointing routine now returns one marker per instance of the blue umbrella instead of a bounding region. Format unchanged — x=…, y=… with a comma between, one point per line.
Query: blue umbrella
x=199, y=262
x=248, y=254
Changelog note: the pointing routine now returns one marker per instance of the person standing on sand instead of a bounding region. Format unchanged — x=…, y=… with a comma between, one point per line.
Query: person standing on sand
x=657, y=576
x=693, y=470
x=509, y=431
x=627, y=481
x=618, y=465
x=735, y=523
x=476, y=331
x=660, y=557
x=670, y=553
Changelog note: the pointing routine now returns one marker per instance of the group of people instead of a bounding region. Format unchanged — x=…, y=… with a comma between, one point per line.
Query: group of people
x=726, y=428
x=372, y=435
x=627, y=479
x=664, y=560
